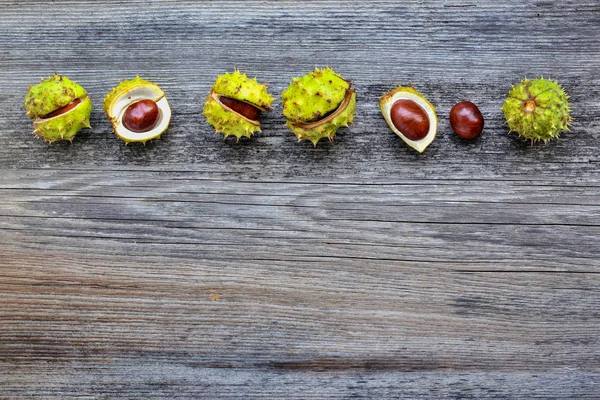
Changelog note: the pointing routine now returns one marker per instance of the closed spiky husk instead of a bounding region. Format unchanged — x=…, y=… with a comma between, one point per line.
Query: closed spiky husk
x=537, y=109
x=317, y=104
x=51, y=95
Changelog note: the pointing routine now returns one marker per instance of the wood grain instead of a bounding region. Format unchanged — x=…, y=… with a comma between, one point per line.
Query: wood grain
x=195, y=267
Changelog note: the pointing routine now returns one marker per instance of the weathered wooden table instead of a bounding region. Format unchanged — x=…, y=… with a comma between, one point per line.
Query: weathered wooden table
x=194, y=267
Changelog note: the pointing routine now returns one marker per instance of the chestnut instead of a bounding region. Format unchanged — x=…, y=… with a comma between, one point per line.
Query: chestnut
x=466, y=120
x=141, y=116
x=410, y=119
x=242, y=108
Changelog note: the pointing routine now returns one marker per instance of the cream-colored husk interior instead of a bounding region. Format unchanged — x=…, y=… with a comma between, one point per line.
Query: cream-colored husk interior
x=419, y=145
x=119, y=106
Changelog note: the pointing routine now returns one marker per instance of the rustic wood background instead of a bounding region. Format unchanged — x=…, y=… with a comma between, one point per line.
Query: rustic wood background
x=195, y=267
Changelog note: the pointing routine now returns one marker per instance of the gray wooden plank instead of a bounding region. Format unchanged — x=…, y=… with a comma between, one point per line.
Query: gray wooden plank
x=194, y=267
x=142, y=380
x=197, y=276
x=450, y=224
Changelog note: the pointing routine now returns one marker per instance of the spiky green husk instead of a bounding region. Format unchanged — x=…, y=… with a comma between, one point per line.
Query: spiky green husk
x=50, y=95
x=537, y=109
x=66, y=126
x=327, y=130
x=237, y=86
x=125, y=86
x=313, y=95
x=227, y=122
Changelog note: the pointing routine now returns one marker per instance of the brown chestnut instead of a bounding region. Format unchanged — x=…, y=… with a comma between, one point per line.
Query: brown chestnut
x=141, y=116
x=242, y=108
x=410, y=119
x=466, y=120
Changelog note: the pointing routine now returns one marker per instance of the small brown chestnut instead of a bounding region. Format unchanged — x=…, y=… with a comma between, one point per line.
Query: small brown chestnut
x=141, y=116
x=242, y=108
x=466, y=120
x=410, y=119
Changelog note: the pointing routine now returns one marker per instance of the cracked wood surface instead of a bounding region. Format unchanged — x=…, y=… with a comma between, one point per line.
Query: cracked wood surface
x=194, y=267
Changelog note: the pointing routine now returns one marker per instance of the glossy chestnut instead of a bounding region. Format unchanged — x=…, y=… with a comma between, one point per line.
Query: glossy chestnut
x=466, y=120
x=242, y=108
x=141, y=116
x=410, y=119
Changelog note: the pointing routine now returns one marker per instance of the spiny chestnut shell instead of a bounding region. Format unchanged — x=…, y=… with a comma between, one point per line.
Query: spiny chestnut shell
x=317, y=104
x=410, y=119
x=466, y=120
x=141, y=116
x=59, y=108
x=537, y=109
x=227, y=105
